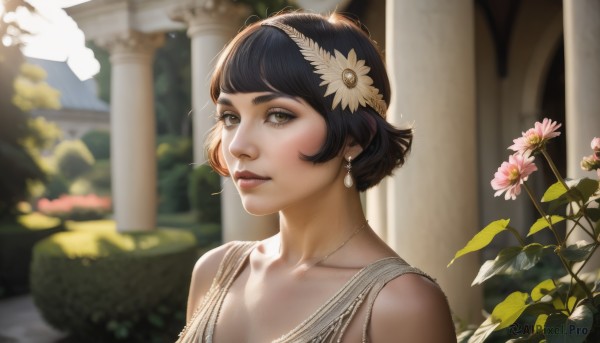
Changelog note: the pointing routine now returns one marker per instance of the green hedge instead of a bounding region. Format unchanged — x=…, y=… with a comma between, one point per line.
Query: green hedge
x=104, y=286
x=17, y=240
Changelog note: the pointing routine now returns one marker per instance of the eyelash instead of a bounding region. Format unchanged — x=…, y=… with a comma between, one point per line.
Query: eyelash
x=288, y=116
x=224, y=116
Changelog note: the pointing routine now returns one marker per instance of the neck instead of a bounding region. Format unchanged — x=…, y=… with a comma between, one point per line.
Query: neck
x=313, y=232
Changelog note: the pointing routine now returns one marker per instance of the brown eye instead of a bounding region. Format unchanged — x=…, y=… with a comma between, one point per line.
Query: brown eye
x=279, y=117
x=229, y=119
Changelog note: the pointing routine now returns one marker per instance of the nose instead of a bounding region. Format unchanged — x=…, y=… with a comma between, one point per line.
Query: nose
x=243, y=144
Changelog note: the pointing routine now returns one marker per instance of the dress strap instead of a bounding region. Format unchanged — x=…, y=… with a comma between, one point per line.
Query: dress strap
x=378, y=286
x=201, y=326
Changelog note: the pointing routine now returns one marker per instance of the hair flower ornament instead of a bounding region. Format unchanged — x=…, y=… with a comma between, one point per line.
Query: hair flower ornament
x=346, y=77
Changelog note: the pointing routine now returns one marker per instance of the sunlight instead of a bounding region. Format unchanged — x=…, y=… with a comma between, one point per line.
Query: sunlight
x=56, y=36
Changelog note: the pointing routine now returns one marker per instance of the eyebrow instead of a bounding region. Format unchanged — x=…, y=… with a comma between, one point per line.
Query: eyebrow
x=268, y=97
x=259, y=99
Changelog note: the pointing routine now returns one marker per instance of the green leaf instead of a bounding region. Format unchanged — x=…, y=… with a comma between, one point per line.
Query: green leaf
x=543, y=288
x=573, y=329
x=540, y=322
x=482, y=238
x=586, y=187
x=484, y=330
x=517, y=258
x=554, y=192
x=578, y=252
x=509, y=310
x=593, y=213
x=542, y=223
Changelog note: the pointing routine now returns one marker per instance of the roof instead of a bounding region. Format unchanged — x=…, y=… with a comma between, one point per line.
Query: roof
x=74, y=93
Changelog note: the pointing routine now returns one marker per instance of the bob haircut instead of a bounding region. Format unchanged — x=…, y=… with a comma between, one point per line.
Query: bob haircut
x=262, y=58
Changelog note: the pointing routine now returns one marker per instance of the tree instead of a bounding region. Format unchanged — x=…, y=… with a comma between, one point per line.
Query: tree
x=21, y=89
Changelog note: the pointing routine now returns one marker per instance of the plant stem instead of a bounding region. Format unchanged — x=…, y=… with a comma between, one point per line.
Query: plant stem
x=553, y=167
x=516, y=234
x=543, y=214
x=588, y=258
x=577, y=223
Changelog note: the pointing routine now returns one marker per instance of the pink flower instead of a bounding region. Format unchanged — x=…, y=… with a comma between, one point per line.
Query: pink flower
x=595, y=144
x=511, y=175
x=535, y=138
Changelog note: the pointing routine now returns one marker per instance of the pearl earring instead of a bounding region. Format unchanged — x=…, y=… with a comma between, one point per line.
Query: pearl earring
x=348, y=182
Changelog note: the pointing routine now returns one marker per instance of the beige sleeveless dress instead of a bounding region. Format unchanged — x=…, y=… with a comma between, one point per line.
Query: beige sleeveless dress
x=327, y=324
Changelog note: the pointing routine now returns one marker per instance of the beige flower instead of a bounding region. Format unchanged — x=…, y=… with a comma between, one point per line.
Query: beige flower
x=347, y=78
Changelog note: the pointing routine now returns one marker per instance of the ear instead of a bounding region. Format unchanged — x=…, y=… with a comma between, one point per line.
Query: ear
x=352, y=148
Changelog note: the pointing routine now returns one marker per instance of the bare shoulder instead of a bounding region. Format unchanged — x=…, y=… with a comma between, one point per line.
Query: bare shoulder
x=411, y=308
x=203, y=274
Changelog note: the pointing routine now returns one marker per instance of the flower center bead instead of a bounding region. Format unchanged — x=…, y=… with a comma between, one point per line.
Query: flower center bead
x=349, y=78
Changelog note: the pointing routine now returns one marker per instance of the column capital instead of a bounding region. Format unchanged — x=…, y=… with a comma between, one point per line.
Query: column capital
x=132, y=42
x=209, y=16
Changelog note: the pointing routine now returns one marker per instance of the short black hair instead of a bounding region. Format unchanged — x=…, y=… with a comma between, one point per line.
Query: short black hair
x=262, y=58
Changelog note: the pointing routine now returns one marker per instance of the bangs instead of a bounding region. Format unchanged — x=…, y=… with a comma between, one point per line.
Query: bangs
x=265, y=53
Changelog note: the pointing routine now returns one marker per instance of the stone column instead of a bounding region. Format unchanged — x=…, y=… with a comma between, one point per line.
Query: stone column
x=211, y=24
x=582, y=74
x=432, y=200
x=133, y=151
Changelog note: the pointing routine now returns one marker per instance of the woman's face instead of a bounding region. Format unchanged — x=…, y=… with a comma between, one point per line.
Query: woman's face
x=264, y=136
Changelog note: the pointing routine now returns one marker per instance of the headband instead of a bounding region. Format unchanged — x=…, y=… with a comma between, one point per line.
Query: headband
x=345, y=76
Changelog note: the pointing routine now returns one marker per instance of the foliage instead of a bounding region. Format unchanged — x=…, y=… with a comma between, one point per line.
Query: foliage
x=76, y=207
x=172, y=85
x=98, y=142
x=97, y=180
x=205, y=186
x=31, y=91
x=57, y=185
x=174, y=156
x=103, y=286
x=172, y=151
x=73, y=158
x=17, y=238
x=555, y=309
x=173, y=187
x=23, y=83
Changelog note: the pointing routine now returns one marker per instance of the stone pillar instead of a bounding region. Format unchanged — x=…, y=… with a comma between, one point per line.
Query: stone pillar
x=133, y=151
x=582, y=74
x=376, y=209
x=432, y=200
x=211, y=24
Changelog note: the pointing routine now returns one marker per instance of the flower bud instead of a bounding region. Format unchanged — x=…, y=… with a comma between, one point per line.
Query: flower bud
x=590, y=163
x=595, y=144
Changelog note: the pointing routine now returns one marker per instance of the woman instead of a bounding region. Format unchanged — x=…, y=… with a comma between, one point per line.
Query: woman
x=301, y=104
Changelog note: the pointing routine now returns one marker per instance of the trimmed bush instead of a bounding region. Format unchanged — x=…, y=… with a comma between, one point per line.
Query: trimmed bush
x=73, y=159
x=17, y=239
x=98, y=142
x=205, y=200
x=57, y=186
x=103, y=286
